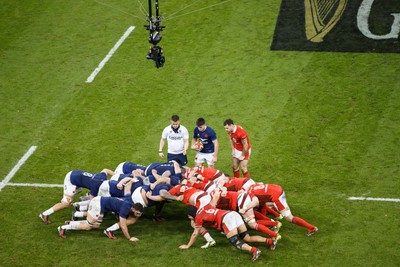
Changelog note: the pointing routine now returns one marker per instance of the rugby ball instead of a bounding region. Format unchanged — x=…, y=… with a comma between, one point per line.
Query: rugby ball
x=198, y=146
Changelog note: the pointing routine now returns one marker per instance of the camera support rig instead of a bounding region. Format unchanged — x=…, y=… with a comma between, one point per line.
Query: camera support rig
x=154, y=27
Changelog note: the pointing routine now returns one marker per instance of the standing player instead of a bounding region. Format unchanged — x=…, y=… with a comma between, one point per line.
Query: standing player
x=208, y=151
x=177, y=137
x=72, y=182
x=241, y=148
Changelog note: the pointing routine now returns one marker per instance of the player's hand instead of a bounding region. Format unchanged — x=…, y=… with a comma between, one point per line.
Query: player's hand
x=242, y=211
x=183, y=246
x=134, y=239
x=119, y=186
x=224, y=193
x=161, y=154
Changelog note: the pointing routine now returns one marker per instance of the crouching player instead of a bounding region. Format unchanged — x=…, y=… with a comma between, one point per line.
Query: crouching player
x=231, y=223
x=73, y=182
x=266, y=194
x=128, y=212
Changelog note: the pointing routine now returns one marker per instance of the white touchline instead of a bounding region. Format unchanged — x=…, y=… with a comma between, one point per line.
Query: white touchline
x=16, y=167
x=109, y=55
x=35, y=185
x=375, y=199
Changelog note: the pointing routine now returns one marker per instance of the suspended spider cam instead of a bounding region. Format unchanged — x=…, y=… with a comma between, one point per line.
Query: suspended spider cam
x=154, y=27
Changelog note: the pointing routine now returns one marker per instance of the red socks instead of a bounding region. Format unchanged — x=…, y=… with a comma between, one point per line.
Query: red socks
x=265, y=230
x=299, y=221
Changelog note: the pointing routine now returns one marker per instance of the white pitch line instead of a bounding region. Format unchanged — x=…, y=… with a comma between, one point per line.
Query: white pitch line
x=375, y=199
x=16, y=167
x=35, y=185
x=109, y=55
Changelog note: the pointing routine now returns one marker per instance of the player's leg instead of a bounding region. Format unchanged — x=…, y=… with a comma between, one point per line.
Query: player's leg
x=264, y=220
x=210, y=241
x=104, y=189
x=93, y=220
x=287, y=214
x=110, y=230
x=209, y=158
x=45, y=215
x=199, y=159
x=235, y=167
x=243, y=167
x=243, y=234
x=69, y=191
x=244, y=163
x=120, y=169
x=157, y=212
x=249, y=218
x=265, y=209
x=233, y=225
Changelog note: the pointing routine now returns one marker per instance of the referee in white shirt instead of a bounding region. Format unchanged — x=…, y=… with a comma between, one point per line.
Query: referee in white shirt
x=178, y=141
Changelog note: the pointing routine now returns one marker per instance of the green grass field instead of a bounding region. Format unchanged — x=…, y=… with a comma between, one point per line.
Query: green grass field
x=325, y=126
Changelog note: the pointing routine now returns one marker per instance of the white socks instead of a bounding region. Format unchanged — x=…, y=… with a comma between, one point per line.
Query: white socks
x=48, y=212
x=113, y=227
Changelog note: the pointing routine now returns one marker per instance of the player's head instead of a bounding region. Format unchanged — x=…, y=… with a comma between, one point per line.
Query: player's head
x=175, y=121
x=137, y=210
x=201, y=124
x=191, y=212
x=229, y=125
x=228, y=122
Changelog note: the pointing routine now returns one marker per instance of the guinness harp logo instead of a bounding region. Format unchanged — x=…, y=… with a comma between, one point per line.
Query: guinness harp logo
x=321, y=16
x=338, y=26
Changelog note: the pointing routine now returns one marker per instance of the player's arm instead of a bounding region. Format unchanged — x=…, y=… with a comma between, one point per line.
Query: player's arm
x=216, y=147
x=232, y=147
x=149, y=195
x=128, y=186
x=168, y=196
x=156, y=198
x=185, y=145
x=215, y=198
x=193, y=238
x=177, y=168
x=124, y=227
x=221, y=182
x=245, y=144
x=159, y=179
x=161, y=146
x=121, y=183
x=254, y=203
x=193, y=146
